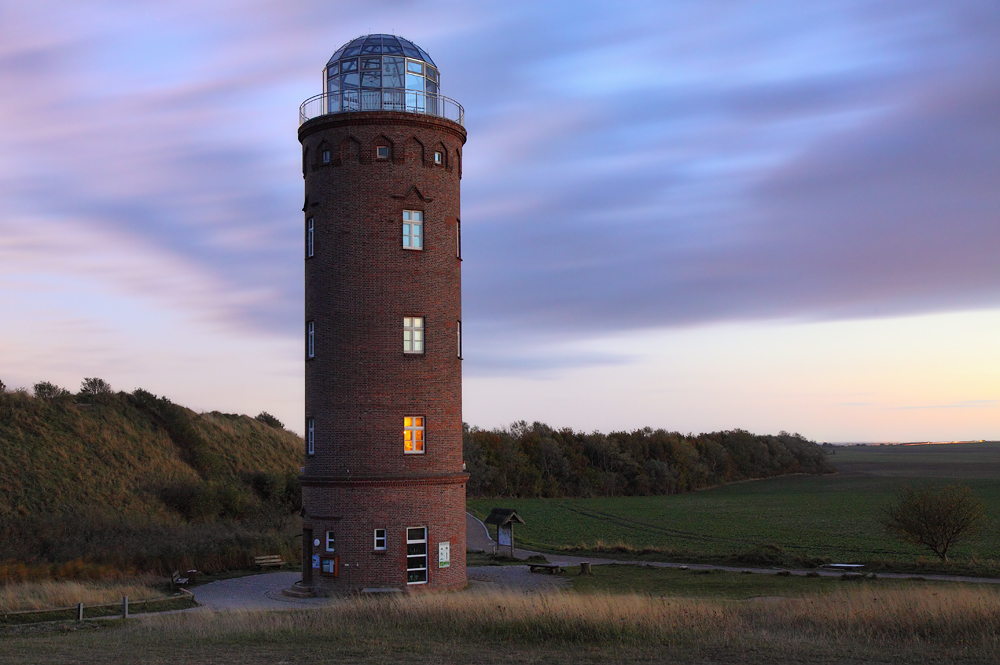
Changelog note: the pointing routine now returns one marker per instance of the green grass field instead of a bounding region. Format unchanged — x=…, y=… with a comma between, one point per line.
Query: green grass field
x=823, y=517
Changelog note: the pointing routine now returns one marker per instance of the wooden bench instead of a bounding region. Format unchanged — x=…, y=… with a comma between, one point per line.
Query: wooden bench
x=550, y=568
x=269, y=560
x=176, y=581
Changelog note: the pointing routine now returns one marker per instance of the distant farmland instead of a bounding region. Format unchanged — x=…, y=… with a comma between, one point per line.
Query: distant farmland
x=808, y=517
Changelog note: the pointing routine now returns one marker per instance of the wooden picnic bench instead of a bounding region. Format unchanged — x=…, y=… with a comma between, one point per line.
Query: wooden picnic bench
x=269, y=560
x=550, y=568
x=176, y=581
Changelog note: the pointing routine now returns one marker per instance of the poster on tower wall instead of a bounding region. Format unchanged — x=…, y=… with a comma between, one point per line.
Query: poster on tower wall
x=444, y=554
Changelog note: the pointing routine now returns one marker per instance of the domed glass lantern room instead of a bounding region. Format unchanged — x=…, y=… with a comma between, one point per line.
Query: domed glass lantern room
x=381, y=73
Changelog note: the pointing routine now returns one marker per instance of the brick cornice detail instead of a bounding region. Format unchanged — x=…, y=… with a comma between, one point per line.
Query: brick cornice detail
x=394, y=118
x=383, y=481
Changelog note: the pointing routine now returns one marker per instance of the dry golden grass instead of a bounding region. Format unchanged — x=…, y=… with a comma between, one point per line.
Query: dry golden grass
x=51, y=595
x=856, y=625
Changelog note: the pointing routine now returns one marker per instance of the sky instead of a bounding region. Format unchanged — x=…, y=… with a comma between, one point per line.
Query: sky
x=692, y=215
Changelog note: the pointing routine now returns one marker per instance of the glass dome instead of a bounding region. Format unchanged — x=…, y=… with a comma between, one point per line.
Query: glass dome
x=381, y=73
x=377, y=72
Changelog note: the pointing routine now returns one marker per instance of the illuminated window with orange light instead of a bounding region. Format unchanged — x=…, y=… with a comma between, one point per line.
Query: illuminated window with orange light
x=413, y=434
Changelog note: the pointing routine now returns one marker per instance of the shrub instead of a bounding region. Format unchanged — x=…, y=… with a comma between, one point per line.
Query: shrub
x=46, y=390
x=270, y=420
x=93, y=386
x=934, y=517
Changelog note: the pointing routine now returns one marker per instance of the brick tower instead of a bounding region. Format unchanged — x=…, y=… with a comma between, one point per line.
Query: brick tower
x=383, y=489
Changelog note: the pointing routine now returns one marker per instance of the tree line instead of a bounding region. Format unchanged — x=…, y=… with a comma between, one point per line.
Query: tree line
x=539, y=461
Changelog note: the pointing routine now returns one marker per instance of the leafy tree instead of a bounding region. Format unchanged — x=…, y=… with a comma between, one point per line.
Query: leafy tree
x=92, y=386
x=934, y=517
x=46, y=390
x=268, y=419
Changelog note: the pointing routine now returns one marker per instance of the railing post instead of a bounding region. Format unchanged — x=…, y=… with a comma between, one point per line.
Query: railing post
x=79, y=611
x=124, y=607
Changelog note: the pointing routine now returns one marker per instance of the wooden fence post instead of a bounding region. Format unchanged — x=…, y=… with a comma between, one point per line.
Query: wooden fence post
x=79, y=611
x=124, y=607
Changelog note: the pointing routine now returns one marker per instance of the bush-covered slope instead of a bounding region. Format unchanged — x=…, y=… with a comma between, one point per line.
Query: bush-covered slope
x=137, y=482
x=118, y=453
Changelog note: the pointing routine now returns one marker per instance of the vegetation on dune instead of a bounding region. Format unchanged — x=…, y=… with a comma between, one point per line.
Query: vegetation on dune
x=538, y=461
x=138, y=482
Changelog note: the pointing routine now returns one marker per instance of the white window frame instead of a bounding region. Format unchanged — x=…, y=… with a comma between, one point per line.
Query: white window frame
x=378, y=152
x=414, y=435
x=414, y=571
x=458, y=332
x=310, y=339
x=380, y=540
x=413, y=230
x=439, y=158
x=310, y=237
x=413, y=335
x=331, y=541
x=310, y=436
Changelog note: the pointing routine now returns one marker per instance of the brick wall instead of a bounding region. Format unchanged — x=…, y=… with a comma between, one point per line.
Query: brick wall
x=360, y=283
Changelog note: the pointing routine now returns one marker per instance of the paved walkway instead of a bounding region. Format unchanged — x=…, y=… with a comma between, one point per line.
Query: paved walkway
x=254, y=592
x=263, y=592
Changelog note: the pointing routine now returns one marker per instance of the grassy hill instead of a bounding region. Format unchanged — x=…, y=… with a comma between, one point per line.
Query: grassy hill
x=106, y=476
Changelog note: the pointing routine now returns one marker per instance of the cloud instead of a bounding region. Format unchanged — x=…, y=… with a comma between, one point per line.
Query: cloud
x=660, y=166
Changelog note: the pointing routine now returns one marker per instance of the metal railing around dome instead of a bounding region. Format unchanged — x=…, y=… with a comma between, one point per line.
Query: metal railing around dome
x=408, y=101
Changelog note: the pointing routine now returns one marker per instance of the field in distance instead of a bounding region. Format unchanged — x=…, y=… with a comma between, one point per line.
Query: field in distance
x=832, y=518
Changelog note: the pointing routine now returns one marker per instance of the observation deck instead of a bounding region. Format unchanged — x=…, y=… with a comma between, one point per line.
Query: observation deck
x=383, y=99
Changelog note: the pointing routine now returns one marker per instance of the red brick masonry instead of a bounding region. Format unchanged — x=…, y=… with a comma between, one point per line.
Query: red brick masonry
x=360, y=283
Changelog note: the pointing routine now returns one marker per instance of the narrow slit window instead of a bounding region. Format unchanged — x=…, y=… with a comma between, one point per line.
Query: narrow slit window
x=326, y=156
x=310, y=436
x=438, y=157
x=310, y=339
x=458, y=238
x=310, y=238
x=413, y=435
x=413, y=334
x=458, y=333
x=413, y=229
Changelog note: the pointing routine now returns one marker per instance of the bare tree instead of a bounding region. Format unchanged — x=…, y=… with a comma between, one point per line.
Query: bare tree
x=934, y=517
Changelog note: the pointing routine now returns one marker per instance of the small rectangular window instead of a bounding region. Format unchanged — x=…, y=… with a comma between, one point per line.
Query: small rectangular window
x=382, y=152
x=413, y=334
x=310, y=339
x=458, y=238
x=331, y=542
x=329, y=566
x=310, y=436
x=310, y=237
x=416, y=555
x=413, y=435
x=379, y=539
x=458, y=331
x=413, y=229
x=326, y=156
x=438, y=157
